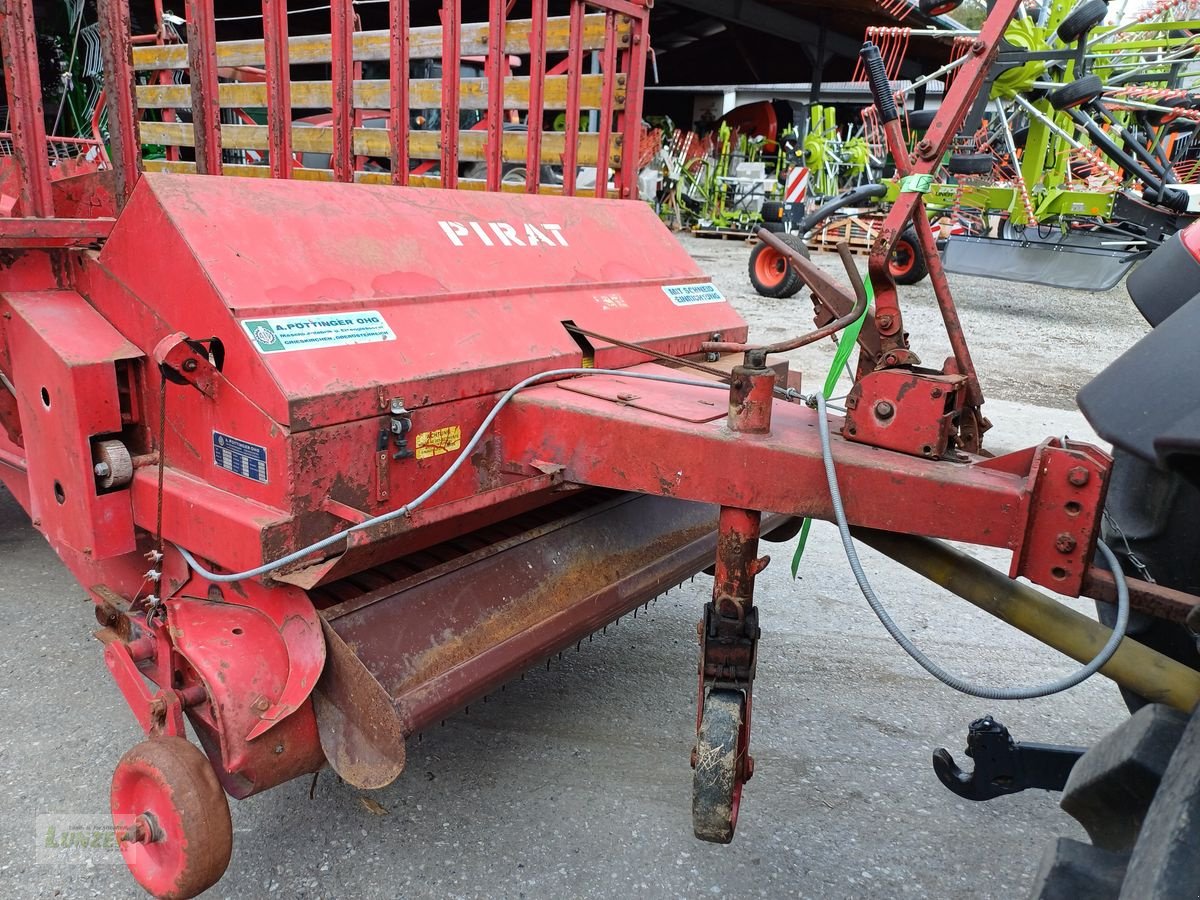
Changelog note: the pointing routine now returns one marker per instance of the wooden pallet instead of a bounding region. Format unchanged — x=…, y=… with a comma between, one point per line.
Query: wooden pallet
x=857, y=229
x=723, y=234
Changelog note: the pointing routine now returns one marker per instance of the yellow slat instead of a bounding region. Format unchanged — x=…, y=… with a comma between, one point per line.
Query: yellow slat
x=424, y=93
x=472, y=145
x=424, y=43
x=423, y=181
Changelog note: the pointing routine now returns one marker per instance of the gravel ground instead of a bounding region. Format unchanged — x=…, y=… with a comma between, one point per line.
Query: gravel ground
x=575, y=781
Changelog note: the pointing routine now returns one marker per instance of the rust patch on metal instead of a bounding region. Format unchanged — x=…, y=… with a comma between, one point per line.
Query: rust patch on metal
x=361, y=734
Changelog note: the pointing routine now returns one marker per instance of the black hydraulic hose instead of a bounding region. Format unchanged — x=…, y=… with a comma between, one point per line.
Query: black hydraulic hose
x=852, y=197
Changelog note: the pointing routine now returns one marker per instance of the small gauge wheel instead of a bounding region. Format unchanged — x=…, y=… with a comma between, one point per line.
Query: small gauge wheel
x=717, y=781
x=171, y=817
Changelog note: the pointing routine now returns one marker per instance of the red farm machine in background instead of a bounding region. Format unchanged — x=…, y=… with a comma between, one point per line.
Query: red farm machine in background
x=333, y=458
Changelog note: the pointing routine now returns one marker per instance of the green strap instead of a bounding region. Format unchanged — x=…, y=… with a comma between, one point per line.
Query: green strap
x=916, y=184
x=840, y=358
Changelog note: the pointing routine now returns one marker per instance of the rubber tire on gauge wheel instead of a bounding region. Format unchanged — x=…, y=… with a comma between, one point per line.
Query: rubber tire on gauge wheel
x=939, y=7
x=970, y=163
x=921, y=119
x=1076, y=93
x=170, y=782
x=716, y=791
x=770, y=272
x=1082, y=19
x=907, y=264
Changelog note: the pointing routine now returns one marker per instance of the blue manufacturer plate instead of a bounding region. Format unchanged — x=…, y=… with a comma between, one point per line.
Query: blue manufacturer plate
x=240, y=457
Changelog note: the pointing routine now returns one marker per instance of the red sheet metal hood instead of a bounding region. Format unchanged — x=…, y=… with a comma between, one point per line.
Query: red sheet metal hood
x=330, y=298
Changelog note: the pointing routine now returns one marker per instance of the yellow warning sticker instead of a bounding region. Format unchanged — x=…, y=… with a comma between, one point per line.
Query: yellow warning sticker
x=438, y=441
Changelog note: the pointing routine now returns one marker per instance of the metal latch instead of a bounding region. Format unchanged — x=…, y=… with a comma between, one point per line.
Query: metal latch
x=401, y=426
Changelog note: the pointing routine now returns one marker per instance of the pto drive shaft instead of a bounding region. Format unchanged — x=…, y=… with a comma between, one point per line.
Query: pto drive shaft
x=1154, y=676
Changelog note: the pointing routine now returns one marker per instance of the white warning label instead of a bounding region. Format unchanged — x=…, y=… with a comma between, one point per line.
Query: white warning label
x=310, y=332
x=693, y=294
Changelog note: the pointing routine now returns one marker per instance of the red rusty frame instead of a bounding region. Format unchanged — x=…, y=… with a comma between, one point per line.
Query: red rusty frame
x=451, y=54
x=1008, y=501
x=341, y=14
x=629, y=121
x=60, y=232
x=279, y=86
x=398, y=24
x=496, y=65
x=205, y=87
x=574, y=73
x=910, y=205
x=116, y=50
x=18, y=36
x=537, y=108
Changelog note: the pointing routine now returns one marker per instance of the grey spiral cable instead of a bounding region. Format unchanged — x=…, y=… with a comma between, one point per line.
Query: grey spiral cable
x=948, y=678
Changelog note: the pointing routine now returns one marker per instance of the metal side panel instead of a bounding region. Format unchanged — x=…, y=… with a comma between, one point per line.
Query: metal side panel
x=1055, y=265
x=440, y=639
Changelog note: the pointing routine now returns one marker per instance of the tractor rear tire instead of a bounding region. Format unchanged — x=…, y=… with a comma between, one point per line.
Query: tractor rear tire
x=1165, y=863
x=1082, y=19
x=1076, y=93
x=770, y=272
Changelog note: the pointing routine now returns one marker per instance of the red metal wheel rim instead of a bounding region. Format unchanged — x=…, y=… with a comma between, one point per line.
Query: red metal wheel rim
x=171, y=818
x=140, y=792
x=903, y=258
x=770, y=267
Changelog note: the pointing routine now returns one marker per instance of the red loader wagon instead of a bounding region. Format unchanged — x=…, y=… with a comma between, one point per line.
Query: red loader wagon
x=334, y=455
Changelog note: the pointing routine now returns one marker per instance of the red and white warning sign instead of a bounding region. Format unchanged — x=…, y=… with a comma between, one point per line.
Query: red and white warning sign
x=795, y=188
